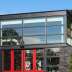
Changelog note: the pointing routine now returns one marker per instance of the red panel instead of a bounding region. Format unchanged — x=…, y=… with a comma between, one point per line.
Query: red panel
x=12, y=60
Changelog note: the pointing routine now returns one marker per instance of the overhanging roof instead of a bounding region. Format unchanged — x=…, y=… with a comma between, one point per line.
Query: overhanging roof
x=33, y=14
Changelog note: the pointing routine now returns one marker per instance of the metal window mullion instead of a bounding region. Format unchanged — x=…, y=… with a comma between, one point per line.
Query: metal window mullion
x=46, y=30
x=22, y=42
x=1, y=34
x=22, y=27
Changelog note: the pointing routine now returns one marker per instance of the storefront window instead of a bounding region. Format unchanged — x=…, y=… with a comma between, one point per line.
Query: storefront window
x=52, y=61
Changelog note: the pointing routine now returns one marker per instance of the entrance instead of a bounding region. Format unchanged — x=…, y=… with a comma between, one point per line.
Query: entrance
x=22, y=60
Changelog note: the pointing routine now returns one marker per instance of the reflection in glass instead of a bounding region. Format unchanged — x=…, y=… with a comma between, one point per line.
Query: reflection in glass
x=34, y=39
x=55, y=31
x=55, y=39
x=33, y=31
x=11, y=32
x=10, y=37
x=11, y=28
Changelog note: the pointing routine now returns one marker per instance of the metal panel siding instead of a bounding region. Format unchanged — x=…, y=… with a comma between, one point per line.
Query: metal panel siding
x=32, y=15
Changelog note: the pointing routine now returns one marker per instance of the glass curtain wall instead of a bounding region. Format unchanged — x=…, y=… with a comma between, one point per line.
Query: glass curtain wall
x=32, y=31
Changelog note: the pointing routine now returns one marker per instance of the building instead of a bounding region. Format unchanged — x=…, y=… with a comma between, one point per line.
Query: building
x=36, y=42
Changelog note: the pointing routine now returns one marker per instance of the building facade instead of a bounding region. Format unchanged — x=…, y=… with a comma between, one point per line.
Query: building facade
x=36, y=42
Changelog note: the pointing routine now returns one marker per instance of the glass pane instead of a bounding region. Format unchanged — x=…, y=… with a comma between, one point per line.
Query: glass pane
x=0, y=30
x=17, y=59
x=34, y=24
x=0, y=37
x=34, y=39
x=52, y=69
x=54, y=23
x=15, y=31
x=7, y=59
x=12, y=26
x=11, y=36
x=55, y=20
x=9, y=22
x=39, y=59
x=34, y=31
x=50, y=53
x=55, y=61
x=52, y=60
x=55, y=30
x=29, y=59
x=11, y=32
x=55, y=39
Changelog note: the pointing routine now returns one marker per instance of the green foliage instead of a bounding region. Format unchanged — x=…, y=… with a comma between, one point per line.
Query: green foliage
x=70, y=64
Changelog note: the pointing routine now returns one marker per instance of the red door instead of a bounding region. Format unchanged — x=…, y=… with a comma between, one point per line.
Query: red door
x=27, y=61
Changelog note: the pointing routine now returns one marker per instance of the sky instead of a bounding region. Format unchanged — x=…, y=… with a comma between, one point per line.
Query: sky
x=24, y=6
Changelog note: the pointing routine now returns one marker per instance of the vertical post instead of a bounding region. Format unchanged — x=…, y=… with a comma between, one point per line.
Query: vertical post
x=0, y=34
x=12, y=60
x=34, y=60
